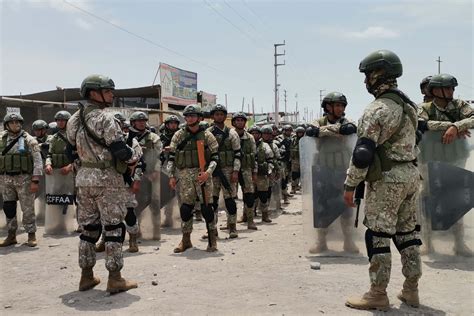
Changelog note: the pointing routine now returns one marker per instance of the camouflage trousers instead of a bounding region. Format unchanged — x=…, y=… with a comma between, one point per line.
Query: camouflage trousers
x=390, y=213
x=262, y=193
x=229, y=195
x=189, y=190
x=17, y=188
x=295, y=175
x=247, y=185
x=102, y=206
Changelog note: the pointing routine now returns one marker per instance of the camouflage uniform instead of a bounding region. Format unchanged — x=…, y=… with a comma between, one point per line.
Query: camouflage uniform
x=295, y=163
x=40, y=204
x=278, y=173
x=265, y=169
x=283, y=142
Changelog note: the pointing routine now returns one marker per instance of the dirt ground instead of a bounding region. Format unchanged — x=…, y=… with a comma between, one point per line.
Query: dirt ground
x=264, y=272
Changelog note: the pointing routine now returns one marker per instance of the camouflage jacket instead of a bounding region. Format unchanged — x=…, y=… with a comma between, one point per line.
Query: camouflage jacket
x=151, y=146
x=328, y=129
x=457, y=113
x=246, y=135
x=31, y=145
x=233, y=140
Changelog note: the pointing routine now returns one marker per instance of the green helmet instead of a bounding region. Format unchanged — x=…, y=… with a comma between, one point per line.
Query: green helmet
x=138, y=115
x=288, y=127
x=192, y=109
x=300, y=129
x=96, y=82
x=62, y=115
x=267, y=129
x=241, y=115
x=442, y=81
x=255, y=129
x=218, y=107
x=119, y=116
x=12, y=117
x=39, y=124
x=204, y=124
x=172, y=118
x=333, y=97
x=382, y=59
x=126, y=124
x=424, y=82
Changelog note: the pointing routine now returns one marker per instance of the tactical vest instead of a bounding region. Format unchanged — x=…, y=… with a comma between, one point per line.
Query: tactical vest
x=57, y=149
x=15, y=162
x=261, y=160
x=226, y=153
x=324, y=121
x=295, y=149
x=248, y=157
x=187, y=157
x=454, y=115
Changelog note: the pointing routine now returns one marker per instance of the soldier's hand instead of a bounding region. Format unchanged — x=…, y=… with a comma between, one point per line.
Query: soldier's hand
x=234, y=178
x=202, y=177
x=450, y=135
x=465, y=134
x=135, y=187
x=167, y=149
x=349, y=198
x=66, y=169
x=48, y=170
x=172, y=183
x=34, y=187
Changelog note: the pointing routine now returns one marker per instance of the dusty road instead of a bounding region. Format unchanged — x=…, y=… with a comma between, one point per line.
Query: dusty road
x=264, y=272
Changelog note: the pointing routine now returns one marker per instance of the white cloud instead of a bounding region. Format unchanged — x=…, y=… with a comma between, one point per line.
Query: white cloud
x=373, y=32
x=83, y=24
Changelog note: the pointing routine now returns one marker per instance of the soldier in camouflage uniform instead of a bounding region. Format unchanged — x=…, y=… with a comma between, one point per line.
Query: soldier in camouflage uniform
x=248, y=168
x=21, y=167
x=272, y=140
x=295, y=159
x=455, y=117
x=283, y=142
x=185, y=175
x=151, y=146
x=40, y=132
x=101, y=191
x=387, y=141
x=226, y=174
x=427, y=96
x=266, y=164
x=332, y=126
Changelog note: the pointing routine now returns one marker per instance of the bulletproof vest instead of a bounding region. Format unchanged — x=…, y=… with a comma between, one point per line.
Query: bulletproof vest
x=324, y=121
x=57, y=150
x=15, y=162
x=295, y=149
x=187, y=155
x=286, y=143
x=226, y=153
x=248, y=157
x=452, y=115
x=44, y=147
x=261, y=160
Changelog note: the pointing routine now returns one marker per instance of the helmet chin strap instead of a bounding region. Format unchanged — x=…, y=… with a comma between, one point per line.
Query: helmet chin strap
x=445, y=97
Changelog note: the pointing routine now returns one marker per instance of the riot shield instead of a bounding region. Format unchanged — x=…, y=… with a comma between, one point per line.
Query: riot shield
x=323, y=171
x=275, y=199
x=447, y=193
x=60, y=210
x=40, y=202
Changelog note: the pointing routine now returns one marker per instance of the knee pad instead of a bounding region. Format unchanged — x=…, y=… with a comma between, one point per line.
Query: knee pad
x=186, y=212
x=130, y=218
x=215, y=203
x=295, y=175
x=92, y=229
x=109, y=228
x=9, y=207
x=284, y=183
x=249, y=199
x=404, y=240
x=269, y=193
x=263, y=196
x=231, y=206
x=207, y=213
x=375, y=250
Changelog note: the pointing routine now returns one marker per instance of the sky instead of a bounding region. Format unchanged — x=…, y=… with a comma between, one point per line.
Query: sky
x=229, y=44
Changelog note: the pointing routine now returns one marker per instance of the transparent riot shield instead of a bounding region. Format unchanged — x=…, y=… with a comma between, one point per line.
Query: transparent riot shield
x=447, y=194
x=328, y=223
x=60, y=210
x=40, y=202
x=275, y=199
x=168, y=201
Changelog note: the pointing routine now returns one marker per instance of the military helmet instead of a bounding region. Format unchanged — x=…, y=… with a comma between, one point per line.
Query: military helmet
x=333, y=97
x=53, y=127
x=424, y=82
x=204, y=124
x=218, y=107
x=192, y=109
x=172, y=118
x=138, y=115
x=254, y=129
x=126, y=124
x=288, y=127
x=12, y=117
x=382, y=59
x=241, y=115
x=442, y=81
x=119, y=116
x=300, y=129
x=39, y=124
x=96, y=82
x=267, y=129
x=62, y=115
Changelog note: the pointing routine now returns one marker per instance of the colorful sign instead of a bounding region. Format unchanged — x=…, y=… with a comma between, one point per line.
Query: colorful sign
x=177, y=86
x=208, y=101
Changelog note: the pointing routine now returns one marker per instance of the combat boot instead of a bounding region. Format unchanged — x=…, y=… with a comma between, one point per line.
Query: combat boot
x=133, y=244
x=205, y=235
x=285, y=199
x=293, y=190
x=10, y=240
x=265, y=217
x=100, y=247
x=250, y=223
x=31, y=240
x=375, y=298
x=184, y=244
x=118, y=284
x=409, y=294
x=243, y=219
x=88, y=280
x=212, y=247
x=233, y=231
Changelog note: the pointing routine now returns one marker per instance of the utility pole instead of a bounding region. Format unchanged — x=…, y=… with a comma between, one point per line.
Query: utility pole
x=226, y=100
x=297, y=114
x=285, y=100
x=439, y=61
x=243, y=101
x=276, y=64
x=321, y=101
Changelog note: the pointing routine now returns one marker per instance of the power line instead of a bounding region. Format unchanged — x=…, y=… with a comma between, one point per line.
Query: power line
x=236, y=12
x=140, y=37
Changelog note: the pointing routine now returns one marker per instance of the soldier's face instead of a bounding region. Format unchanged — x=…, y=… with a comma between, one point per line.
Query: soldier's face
x=102, y=96
x=448, y=92
x=287, y=132
x=61, y=124
x=191, y=119
x=219, y=117
x=172, y=126
x=300, y=134
x=14, y=126
x=336, y=109
x=256, y=136
x=39, y=132
x=267, y=137
x=140, y=125
x=239, y=123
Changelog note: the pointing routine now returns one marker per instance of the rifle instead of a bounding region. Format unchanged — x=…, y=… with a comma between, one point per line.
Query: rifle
x=358, y=196
x=202, y=168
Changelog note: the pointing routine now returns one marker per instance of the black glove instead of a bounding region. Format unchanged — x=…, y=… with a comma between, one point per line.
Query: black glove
x=419, y=136
x=422, y=126
x=347, y=129
x=312, y=131
x=44, y=146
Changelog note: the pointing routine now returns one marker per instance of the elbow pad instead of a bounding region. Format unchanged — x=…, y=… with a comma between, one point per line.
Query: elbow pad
x=364, y=153
x=71, y=152
x=347, y=129
x=312, y=132
x=422, y=126
x=121, y=151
